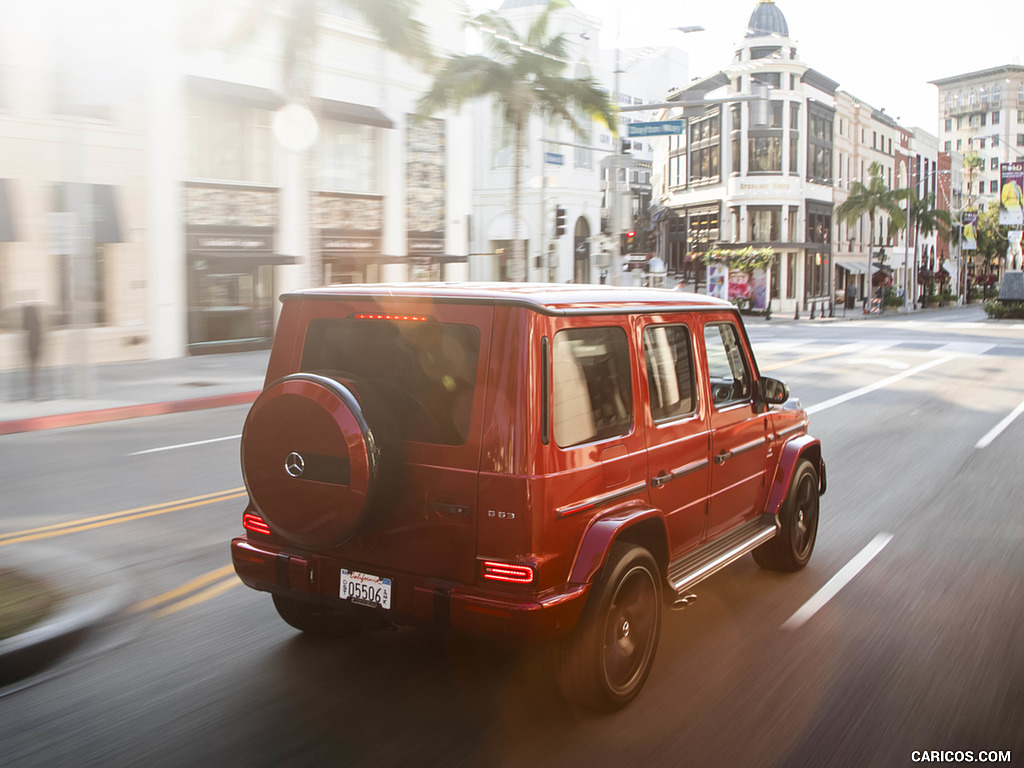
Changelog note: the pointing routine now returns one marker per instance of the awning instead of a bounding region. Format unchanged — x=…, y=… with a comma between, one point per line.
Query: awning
x=264, y=98
x=6, y=229
x=248, y=258
x=857, y=269
x=354, y=113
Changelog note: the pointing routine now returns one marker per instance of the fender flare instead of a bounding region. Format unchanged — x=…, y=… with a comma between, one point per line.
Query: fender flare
x=803, y=447
x=603, y=531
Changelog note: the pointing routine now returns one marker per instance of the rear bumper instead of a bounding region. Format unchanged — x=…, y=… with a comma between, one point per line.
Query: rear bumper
x=415, y=599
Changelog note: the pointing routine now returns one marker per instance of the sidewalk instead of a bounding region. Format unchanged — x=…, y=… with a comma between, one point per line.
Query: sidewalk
x=75, y=396
x=969, y=312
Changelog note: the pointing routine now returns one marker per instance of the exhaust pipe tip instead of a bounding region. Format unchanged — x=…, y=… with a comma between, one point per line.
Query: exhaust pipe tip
x=683, y=601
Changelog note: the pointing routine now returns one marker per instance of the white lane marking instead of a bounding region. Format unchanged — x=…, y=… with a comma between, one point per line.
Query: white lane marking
x=998, y=428
x=896, y=365
x=837, y=582
x=966, y=348
x=877, y=385
x=184, y=445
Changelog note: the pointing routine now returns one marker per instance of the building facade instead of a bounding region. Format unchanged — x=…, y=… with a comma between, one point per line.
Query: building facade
x=981, y=116
x=155, y=198
x=578, y=172
x=753, y=170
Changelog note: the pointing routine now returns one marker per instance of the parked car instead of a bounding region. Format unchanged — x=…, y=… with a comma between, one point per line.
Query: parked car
x=529, y=463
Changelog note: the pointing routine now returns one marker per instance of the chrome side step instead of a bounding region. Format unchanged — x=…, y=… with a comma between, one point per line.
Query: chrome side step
x=711, y=558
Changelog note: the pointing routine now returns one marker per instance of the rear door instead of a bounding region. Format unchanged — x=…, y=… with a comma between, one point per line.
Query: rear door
x=427, y=365
x=678, y=436
x=739, y=434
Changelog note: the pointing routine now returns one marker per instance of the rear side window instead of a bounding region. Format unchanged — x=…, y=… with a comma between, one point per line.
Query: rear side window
x=592, y=398
x=424, y=372
x=669, y=359
x=727, y=367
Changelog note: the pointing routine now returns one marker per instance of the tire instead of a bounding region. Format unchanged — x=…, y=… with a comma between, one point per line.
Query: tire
x=313, y=619
x=791, y=549
x=605, y=661
x=319, y=455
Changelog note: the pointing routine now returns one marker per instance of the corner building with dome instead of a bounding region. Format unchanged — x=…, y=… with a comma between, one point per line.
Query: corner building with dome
x=755, y=172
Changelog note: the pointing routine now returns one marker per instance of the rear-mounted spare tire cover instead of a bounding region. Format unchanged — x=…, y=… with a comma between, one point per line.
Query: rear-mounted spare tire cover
x=309, y=459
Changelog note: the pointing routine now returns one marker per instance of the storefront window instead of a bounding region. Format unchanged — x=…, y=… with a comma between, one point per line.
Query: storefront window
x=230, y=303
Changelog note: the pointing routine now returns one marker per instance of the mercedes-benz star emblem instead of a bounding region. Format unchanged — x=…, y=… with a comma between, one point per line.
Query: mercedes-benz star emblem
x=294, y=464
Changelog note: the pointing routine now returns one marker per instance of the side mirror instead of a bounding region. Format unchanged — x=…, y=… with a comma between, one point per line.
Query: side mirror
x=772, y=391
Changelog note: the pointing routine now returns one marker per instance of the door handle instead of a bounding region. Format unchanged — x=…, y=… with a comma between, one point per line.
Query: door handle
x=660, y=479
x=723, y=457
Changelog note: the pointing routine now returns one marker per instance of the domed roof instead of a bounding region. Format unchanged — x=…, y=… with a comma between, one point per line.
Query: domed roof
x=767, y=20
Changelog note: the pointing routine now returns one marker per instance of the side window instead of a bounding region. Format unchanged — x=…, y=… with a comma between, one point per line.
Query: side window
x=727, y=367
x=669, y=357
x=592, y=398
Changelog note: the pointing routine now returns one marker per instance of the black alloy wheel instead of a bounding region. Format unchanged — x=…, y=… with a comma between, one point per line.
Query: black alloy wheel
x=605, y=661
x=791, y=549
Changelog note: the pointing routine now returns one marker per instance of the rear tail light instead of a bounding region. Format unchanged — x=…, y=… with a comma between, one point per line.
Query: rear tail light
x=507, y=572
x=255, y=523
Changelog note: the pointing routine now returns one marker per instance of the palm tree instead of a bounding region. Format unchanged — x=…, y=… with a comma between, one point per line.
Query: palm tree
x=391, y=20
x=870, y=199
x=924, y=219
x=524, y=76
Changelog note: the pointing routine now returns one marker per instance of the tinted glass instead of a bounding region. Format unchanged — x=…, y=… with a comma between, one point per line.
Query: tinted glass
x=669, y=357
x=424, y=372
x=592, y=398
x=727, y=367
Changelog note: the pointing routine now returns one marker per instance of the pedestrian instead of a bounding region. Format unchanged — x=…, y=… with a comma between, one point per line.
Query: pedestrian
x=33, y=327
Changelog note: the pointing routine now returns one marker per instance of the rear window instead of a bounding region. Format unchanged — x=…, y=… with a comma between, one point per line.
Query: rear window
x=424, y=372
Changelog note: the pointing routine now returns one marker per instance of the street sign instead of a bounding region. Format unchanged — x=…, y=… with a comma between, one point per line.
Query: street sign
x=554, y=158
x=657, y=128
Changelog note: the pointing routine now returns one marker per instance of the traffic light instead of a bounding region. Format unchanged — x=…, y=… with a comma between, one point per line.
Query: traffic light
x=629, y=242
x=559, y=221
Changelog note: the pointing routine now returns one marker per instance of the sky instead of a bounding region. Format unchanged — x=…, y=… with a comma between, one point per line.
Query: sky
x=884, y=52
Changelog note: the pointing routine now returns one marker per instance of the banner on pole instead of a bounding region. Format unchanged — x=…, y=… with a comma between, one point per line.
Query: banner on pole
x=969, y=235
x=1011, y=212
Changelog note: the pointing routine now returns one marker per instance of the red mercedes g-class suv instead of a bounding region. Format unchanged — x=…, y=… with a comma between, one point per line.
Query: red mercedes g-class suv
x=537, y=463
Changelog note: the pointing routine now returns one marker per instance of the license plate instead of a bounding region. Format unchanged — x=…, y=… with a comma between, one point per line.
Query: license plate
x=365, y=589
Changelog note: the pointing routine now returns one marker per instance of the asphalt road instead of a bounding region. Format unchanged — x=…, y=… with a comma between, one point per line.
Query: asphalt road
x=904, y=634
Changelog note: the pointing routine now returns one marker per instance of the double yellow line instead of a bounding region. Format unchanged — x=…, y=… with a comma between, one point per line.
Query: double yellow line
x=113, y=518
x=196, y=591
x=191, y=593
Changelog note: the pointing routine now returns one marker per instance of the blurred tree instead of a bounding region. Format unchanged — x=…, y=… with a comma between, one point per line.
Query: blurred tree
x=868, y=199
x=524, y=76
x=924, y=220
x=391, y=20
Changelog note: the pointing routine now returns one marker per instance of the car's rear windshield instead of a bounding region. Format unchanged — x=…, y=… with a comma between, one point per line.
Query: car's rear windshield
x=423, y=372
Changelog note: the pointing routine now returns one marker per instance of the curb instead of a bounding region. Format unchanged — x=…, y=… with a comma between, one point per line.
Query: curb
x=98, y=599
x=58, y=420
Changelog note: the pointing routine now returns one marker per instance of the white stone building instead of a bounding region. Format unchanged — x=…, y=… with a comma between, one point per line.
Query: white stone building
x=982, y=113
x=565, y=169
x=148, y=206
x=742, y=177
